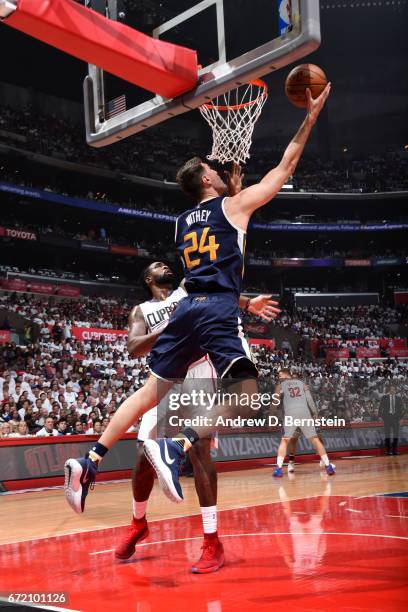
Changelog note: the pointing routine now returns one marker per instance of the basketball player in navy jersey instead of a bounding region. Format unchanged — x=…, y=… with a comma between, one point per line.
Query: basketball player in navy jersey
x=146, y=322
x=210, y=239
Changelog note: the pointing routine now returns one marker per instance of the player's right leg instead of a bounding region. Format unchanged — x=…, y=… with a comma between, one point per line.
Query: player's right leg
x=320, y=449
x=278, y=473
x=142, y=485
x=205, y=476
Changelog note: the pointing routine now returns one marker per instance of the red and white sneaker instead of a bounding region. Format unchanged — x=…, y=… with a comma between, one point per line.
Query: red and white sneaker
x=212, y=557
x=137, y=531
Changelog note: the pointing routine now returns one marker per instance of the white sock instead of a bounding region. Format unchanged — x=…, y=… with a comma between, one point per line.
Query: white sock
x=139, y=509
x=209, y=516
x=279, y=461
x=325, y=460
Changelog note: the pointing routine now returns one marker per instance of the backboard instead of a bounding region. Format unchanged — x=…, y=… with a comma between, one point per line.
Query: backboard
x=236, y=41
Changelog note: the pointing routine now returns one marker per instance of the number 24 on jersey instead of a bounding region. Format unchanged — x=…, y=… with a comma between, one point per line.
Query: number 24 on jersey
x=207, y=244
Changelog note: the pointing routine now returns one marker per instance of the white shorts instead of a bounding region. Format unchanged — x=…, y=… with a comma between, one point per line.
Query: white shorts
x=200, y=369
x=306, y=428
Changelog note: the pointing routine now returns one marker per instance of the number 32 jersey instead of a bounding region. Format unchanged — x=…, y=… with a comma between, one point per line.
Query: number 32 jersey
x=211, y=248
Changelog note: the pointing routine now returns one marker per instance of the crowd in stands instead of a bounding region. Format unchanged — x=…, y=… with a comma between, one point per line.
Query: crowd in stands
x=345, y=322
x=153, y=153
x=341, y=324
x=159, y=247
x=104, y=312
x=349, y=389
x=58, y=385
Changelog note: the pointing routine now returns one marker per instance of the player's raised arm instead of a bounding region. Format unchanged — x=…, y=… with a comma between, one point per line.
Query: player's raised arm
x=139, y=342
x=241, y=206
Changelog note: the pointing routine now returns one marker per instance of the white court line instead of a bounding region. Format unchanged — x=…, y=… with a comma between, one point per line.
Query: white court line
x=167, y=518
x=352, y=510
x=396, y=516
x=359, y=457
x=267, y=533
x=59, y=487
x=370, y=495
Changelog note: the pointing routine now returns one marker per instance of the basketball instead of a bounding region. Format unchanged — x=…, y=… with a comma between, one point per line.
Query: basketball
x=301, y=77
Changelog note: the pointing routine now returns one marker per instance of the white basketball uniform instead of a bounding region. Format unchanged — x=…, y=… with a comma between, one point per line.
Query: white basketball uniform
x=298, y=403
x=156, y=315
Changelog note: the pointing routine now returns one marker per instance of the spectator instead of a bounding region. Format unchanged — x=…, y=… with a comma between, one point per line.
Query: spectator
x=96, y=430
x=21, y=431
x=5, y=430
x=70, y=395
x=79, y=428
x=62, y=428
x=48, y=429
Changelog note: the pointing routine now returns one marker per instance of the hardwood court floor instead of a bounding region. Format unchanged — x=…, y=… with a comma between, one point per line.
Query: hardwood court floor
x=307, y=543
x=38, y=514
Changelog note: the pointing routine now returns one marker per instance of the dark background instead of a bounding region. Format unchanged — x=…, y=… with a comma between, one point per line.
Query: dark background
x=364, y=52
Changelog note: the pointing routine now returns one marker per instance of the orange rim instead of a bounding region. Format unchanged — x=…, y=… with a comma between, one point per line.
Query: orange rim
x=257, y=83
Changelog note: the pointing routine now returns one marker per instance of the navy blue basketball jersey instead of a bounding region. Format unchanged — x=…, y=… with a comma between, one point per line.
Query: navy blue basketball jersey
x=212, y=250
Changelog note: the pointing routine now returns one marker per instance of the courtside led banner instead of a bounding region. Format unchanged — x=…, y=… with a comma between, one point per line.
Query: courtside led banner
x=31, y=458
x=85, y=334
x=116, y=209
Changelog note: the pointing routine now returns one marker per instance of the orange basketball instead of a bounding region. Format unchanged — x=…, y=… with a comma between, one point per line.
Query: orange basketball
x=301, y=77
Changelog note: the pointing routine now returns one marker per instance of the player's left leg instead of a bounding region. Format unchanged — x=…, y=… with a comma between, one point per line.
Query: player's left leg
x=80, y=474
x=291, y=450
x=205, y=476
x=278, y=473
x=142, y=485
x=176, y=345
x=320, y=450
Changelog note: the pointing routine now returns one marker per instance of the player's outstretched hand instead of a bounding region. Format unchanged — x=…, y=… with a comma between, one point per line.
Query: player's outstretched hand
x=265, y=307
x=234, y=179
x=315, y=106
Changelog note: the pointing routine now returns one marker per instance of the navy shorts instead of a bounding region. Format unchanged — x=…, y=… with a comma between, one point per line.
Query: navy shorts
x=201, y=324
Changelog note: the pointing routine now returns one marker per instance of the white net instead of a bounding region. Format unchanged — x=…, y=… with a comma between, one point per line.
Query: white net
x=232, y=117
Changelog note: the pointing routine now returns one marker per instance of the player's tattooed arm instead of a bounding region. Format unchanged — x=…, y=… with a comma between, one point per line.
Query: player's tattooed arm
x=262, y=306
x=139, y=341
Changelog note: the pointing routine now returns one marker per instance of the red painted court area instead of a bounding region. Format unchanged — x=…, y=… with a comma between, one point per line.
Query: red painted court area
x=321, y=553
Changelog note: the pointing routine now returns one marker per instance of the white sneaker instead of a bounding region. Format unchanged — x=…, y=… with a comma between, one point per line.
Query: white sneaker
x=321, y=463
x=291, y=467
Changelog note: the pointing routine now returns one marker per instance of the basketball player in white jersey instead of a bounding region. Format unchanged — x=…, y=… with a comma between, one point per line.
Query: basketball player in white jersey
x=146, y=322
x=298, y=403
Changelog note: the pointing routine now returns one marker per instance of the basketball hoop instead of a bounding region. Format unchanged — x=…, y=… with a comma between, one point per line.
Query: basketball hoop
x=232, y=117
